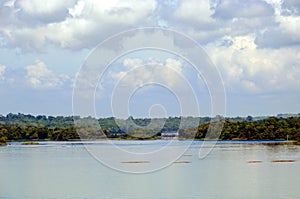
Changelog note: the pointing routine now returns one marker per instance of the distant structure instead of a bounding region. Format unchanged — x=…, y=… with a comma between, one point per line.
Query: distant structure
x=287, y=115
x=173, y=135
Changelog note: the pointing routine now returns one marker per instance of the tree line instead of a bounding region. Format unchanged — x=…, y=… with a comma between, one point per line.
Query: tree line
x=271, y=128
x=14, y=127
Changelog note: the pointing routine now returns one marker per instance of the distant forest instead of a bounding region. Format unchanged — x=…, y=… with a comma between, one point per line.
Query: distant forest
x=16, y=127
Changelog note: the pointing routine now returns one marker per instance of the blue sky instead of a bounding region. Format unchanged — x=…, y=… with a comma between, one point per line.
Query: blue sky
x=255, y=44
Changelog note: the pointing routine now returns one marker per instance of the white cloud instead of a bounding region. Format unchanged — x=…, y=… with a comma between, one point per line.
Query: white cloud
x=196, y=13
x=77, y=10
x=138, y=72
x=207, y=21
x=46, y=11
x=38, y=76
x=71, y=24
x=2, y=72
x=147, y=78
x=171, y=63
x=31, y=25
x=250, y=86
x=255, y=42
x=9, y=3
x=243, y=9
x=247, y=69
x=195, y=19
x=291, y=7
x=284, y=32
x=174, y=64
x=132, y=62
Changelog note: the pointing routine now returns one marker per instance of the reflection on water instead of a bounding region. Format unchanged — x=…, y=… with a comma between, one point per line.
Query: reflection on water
x=67, y=170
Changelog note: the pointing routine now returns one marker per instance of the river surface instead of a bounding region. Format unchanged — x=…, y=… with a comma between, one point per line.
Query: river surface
x=232, y=170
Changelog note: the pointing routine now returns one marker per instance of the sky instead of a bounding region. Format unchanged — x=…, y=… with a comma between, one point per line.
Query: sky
x=254, y=45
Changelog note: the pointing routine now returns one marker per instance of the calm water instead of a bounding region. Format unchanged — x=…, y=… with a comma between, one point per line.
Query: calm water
x=64, y=170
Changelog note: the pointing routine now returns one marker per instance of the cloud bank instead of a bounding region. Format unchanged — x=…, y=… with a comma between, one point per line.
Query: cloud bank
x=254, y=43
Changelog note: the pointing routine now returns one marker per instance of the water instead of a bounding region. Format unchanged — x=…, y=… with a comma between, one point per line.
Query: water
x=67, y=170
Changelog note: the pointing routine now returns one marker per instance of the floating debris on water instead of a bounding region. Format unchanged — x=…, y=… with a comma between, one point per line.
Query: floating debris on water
x=182, y=162
x=254, y=161
x=283, y=161
x=135, y=162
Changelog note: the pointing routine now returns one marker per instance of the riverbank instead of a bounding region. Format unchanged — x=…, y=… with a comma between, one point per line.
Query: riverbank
x=3, y=143
x=101, y=141
x=30, y=143
x=271, y=128
x=284, y=143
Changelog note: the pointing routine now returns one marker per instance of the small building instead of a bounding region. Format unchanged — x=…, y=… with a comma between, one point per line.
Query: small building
x=170, y=135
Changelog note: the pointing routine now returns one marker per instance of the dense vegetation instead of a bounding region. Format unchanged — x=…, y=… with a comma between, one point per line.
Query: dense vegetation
x=27, y=127
x=271, y=128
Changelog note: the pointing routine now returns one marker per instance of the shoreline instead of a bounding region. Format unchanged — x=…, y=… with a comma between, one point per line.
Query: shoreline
x=82, y=142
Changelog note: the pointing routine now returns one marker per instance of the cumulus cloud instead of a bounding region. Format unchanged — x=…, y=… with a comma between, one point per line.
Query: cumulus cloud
x=132, y=62
x=207, y=21
x=285, y=34
x=38, y=76
x=197, y=13
x=242, y=9
x=255, y=42
x=138, y=72
x=31, y=25
x=157, y=79
x=247, y=69
x=291, y=7
x=2, y=72
x=194, y=18
x=48, y=11
x=70, y=24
